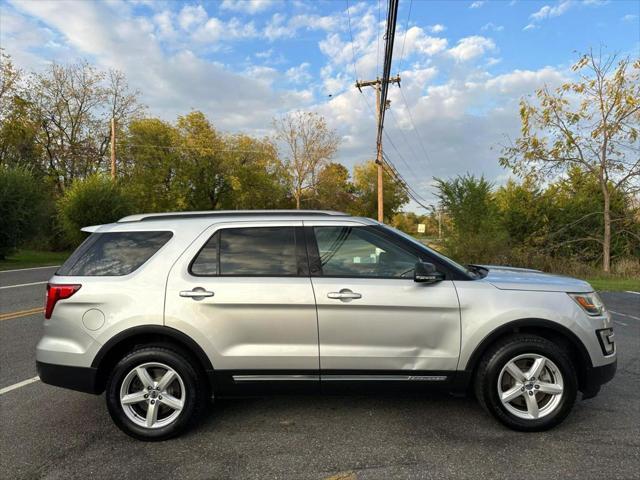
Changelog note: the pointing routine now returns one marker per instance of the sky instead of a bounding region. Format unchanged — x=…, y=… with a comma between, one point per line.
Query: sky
x=464, y=65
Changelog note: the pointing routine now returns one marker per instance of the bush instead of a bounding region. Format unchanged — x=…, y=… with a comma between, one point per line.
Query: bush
x=22, y=199
x=474, y=233
x=93, y=201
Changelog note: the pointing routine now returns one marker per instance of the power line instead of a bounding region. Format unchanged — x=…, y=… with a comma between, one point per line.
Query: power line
x=378, y=48
x=404, y=161
x=353, y=54
x=424, y=150
x=184, y=147
x=353, y=48
x=406, y=187
x=395, y=175
x=404, y=40
x=387, y=160
x=392, y=16
x=406, y=141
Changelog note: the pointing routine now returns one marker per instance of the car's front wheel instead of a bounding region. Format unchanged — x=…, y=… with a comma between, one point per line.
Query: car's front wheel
x=527, y=382
x=154, y=393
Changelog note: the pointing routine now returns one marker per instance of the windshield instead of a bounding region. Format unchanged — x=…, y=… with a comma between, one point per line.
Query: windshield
x=435, y=253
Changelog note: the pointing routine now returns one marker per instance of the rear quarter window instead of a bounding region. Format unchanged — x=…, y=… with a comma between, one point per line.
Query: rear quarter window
x=113, y=254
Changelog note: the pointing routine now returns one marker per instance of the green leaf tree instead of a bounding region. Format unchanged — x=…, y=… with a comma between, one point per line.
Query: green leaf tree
x=475, y=233
x=333, y=190
x=22, y=198
x=365, y=178
x=95, y=200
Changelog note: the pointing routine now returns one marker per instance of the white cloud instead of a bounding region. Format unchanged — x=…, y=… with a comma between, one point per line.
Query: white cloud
x=246, y=6
x=469, y=48
x=281, y=27
x=164, y=23
x=630, y=18
x=191, y=15
x=529, y=26
x=492, y=26
x=437, y=28
x=477, y=4
x=299, y=74
x=555, y=11
x=418, y=42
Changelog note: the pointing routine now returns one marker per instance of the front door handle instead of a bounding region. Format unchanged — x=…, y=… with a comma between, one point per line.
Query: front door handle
x=345, y=295
x=197, y=293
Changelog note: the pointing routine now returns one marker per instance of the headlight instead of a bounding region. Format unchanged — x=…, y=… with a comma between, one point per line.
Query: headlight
x=590, y=303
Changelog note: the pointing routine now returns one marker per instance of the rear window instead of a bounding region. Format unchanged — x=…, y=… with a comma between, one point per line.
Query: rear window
x=113, y=254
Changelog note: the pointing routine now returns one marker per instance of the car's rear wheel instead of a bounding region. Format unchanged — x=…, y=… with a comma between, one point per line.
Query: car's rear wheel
x=527, y=382
x=154, y=393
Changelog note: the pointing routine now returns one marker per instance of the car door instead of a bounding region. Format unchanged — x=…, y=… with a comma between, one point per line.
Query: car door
x=243, y=292
x=374, y=321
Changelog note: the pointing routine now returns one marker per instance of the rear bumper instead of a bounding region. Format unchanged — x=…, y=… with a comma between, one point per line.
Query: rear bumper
x=82, y=379
x=596, y=377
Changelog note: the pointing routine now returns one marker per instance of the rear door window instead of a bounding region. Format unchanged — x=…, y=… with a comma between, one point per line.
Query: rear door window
x=113, y=254
x=251, y=252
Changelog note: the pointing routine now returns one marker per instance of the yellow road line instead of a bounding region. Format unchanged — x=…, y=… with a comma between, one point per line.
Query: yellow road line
x=21, y=313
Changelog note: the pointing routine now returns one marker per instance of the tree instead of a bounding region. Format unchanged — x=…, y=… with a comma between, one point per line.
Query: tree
x=74, y=105
x=200, y=171
x=591, y=123
x=255, y=173
x=334, y=190
x=149, y=165
x=10, y=78
x=92, y=201
x=572, y=211
x=475, y=233
x=21, y=207
x=366, y=202
x=524, y=210
x=309, y=144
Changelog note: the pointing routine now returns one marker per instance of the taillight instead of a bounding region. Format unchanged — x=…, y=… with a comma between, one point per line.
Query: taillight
x=57, y=292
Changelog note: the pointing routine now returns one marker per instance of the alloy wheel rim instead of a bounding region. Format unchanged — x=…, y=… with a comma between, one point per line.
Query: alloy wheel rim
x=152, y=395
x=530, y=386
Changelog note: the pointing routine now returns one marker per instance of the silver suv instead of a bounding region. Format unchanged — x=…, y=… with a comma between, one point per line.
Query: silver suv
x=165, y=311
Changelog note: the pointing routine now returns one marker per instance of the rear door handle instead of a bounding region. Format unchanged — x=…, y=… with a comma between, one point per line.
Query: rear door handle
x=197, y=293
x=345, y=294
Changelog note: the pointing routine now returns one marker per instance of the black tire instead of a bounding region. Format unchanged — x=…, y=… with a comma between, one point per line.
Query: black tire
x=195, y=393
x=488, y=372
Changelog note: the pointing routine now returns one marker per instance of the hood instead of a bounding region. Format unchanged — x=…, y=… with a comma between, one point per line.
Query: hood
x=511, y=278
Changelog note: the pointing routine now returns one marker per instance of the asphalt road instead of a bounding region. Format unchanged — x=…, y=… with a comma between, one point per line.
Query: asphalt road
x=47, y=432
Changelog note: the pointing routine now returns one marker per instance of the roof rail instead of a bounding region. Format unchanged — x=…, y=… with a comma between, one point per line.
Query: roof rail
x=141, y=217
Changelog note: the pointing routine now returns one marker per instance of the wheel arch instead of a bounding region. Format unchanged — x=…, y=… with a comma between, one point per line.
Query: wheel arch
x=552, y=331
x=117, y=346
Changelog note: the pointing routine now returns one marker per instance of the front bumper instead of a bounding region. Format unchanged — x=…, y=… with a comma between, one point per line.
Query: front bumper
x=595, y=377
x=82, y=379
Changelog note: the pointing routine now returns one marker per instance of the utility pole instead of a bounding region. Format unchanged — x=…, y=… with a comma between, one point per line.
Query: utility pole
x=113, y=148
x=377, y=84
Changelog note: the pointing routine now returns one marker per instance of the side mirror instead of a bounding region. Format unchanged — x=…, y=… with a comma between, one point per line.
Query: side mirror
x=426, y=273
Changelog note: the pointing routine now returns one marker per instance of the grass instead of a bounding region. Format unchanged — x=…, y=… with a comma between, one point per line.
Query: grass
x=32, y=258
x=612, y=284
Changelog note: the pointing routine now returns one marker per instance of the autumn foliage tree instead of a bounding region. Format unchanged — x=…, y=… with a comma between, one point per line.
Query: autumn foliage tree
x=591, y=122
x=309, y=144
